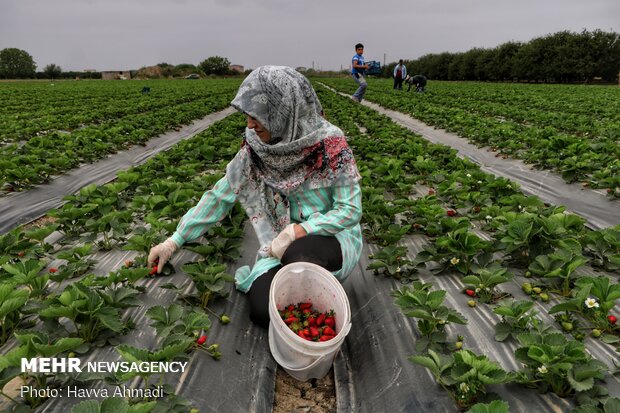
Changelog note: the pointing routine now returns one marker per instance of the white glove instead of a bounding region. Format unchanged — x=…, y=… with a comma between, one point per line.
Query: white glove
x=282, y=241
x=162, y=251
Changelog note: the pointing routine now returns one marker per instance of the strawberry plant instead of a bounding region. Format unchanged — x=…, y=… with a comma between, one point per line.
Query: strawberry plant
x=593, y=298
x=39, y=235
x=173, y=350
x=12, y=300
x=456, y=250
x=485, y=282
x=560, y=264
x=91, y=312
x=27, y=273
x=604, y=248
x=417, y=301
x=173, y=322
x=209, y=279
x=554, y=363
x=392, y=261
x=76, y=265
x=517, y=317
x=463, y=374
x=114, y=225
x=33, y=344
x=15, y=244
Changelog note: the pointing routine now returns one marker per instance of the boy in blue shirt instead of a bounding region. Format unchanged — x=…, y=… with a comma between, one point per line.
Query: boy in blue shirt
x=358, y=69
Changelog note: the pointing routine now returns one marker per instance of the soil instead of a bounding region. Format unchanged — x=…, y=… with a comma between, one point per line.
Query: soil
x=312, y=396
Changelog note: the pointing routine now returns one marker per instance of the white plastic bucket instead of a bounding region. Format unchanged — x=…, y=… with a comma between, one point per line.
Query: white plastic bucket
x=306, y=282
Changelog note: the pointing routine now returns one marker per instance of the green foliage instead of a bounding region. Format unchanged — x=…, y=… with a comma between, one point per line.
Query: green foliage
x=52, y=71
x=417, y=301
x=463, y=374
x=560, y=57
x=517, y=316
x=16, y=64
x=554, y=363
x=215, y=65
x=209, y=279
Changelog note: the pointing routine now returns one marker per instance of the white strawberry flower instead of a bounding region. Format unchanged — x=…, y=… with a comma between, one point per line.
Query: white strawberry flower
x=543, y=369
x=591, y=303
x=454, y=261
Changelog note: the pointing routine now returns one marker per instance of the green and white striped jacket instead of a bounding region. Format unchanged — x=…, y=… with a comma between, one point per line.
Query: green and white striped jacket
x=332, y=211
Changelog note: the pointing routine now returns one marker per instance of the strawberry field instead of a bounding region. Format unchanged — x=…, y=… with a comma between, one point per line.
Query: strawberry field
x=470, y=295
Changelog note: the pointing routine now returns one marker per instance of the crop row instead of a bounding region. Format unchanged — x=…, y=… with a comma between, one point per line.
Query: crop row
x=581, y=148
x=33, y=109
x=54, y=303
x=34, y=162
x=484, y=229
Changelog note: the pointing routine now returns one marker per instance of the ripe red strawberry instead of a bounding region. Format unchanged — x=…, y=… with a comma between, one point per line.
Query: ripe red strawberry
x=201, y=340
x=153, y=270
x=325, y=338
x=450, y=213
x=301, y=334
x=314, y=332
x=328, y=331
x=330, y=321
x=470, y=293
x=431, y=191
x=311, y=321
x=320, y=319
x=305, y=306
x=290, y=307
x=291, y=320
x=612, y=319
x=21, y=254
x=53, y=270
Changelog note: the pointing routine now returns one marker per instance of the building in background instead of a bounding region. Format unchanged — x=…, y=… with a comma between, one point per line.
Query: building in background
x=236, y=68
x=116, y=75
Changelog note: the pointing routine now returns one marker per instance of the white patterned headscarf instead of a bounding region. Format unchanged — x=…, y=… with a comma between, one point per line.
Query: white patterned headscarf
x=305, y=150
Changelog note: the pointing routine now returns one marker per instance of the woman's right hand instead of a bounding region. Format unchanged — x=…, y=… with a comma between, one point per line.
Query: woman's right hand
x=161, y=253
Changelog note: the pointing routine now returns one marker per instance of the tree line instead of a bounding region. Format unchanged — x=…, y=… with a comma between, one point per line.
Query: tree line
x=19, y=64
x=556, y=58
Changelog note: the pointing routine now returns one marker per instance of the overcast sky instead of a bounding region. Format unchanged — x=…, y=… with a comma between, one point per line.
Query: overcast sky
x=129, y=34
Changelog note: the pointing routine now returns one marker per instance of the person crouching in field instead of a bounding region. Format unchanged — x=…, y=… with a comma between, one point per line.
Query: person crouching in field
x=418, y=80
x=296, y=178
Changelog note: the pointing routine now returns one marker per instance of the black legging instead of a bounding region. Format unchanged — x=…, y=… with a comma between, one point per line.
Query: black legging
x=317, y=249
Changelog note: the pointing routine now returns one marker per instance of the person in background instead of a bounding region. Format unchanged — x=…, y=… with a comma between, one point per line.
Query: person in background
x=297, y=180
x=358, y=71
x=400, y=72
x=419, y=81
